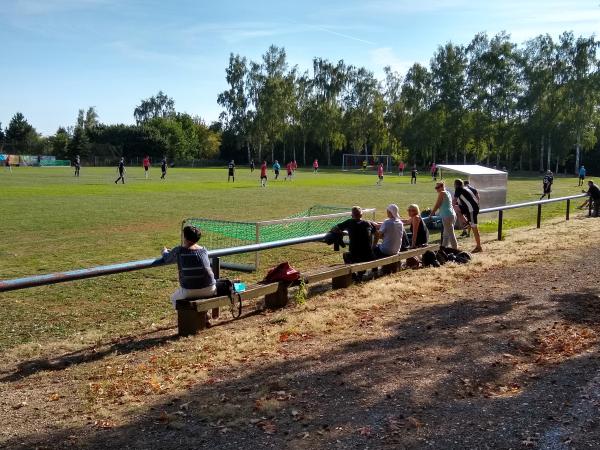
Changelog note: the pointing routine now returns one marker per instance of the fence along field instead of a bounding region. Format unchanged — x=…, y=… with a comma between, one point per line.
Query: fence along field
x=54, y=222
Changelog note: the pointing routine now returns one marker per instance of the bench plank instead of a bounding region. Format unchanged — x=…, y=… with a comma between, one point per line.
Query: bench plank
x=326, y=273
x=360, y=267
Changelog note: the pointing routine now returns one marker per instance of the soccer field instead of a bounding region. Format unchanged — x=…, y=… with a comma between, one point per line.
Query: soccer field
x=52, y=221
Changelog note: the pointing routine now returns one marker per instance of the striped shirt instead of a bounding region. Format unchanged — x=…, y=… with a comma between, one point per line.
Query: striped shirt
x=466, y=198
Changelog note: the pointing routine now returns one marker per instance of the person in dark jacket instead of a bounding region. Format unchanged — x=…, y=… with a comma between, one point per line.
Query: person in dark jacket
x=361, y=233
x=594, y=193
x=196, y=278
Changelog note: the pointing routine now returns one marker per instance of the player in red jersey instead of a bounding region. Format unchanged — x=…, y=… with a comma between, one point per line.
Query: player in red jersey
x=263, y=174
x=146, y=164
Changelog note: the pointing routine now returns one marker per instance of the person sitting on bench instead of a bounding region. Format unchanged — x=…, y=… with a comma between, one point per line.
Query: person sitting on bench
x=391, y=231
x=196, y=278
x=361, y=234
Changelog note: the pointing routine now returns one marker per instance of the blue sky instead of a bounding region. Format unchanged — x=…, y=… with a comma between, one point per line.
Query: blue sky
x=62, y=55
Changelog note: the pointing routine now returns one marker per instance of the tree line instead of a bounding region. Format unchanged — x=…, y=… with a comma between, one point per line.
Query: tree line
x=159, y=131
x=530, y=107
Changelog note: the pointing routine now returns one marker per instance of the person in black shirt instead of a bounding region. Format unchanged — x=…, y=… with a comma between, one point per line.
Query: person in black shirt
x=469, y=205
x=251, y=166
x=413, y=175
x=77, y=165
x=594, y=193
x=361, y=234
x=547, y=184
x=163, y=168
x=231, y=169
x=121, y=170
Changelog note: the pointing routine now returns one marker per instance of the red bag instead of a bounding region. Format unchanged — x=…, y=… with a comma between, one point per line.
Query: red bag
x=282, y=272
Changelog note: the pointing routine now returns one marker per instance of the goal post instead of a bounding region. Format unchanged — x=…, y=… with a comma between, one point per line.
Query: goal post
x=318, y=219
x=355, y=161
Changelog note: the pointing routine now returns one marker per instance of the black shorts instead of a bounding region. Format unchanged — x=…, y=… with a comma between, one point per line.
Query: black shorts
x=277, y=172
x=230, y=173
x=263, y=177
x=582, y=177
x=381, y=177
x=146, y=168
x=471, y=217
x=547, y=189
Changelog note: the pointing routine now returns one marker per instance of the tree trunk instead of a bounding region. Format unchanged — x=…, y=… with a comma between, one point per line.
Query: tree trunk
x=284, y=160
x=248, y=150
x=577, y=153
x=542, y=154
x=304, y=150
x=328, y=154
x=556, y=171
x=260, y=152
x=549, y=151
x=529, y=156
x=272, y=152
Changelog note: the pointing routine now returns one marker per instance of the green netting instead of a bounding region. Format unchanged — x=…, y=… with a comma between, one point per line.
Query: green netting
x=224, y=234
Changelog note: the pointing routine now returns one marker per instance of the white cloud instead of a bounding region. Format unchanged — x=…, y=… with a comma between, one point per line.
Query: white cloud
x=385, y=56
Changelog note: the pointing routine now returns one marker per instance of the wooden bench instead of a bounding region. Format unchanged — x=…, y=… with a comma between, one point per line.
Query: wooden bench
x=192, y=314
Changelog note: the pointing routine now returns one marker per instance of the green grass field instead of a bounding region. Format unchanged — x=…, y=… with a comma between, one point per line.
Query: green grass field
x=52, y=221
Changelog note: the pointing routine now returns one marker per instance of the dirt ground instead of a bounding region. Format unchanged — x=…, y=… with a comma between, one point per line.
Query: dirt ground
x=500, y=354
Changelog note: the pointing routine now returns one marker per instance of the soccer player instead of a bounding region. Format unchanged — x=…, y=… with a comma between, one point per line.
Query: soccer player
x=465, y=198
x=581, y=175
x=146, y=164
x=77, y=165
x=231, y=171
x=364, y=165
x=263, y=174
x=290, y=171
x=547, y=184
x=413, y=175
x=163, y=168
x=294, y=165
x=121, y=170
x=401, y=168
x=7, y=163
x=316, y=166
x=380, y=174
x=276, y=167
x=251, y=165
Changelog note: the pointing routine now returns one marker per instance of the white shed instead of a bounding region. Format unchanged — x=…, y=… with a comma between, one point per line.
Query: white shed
x=490, y=183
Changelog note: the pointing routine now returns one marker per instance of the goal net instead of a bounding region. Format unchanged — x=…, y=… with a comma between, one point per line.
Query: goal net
x=225, y=234
x=364, y=162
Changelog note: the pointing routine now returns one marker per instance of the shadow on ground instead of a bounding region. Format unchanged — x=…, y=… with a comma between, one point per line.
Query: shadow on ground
x=459, y=375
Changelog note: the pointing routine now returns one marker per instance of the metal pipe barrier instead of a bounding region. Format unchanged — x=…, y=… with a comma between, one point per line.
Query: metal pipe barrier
x=79, y=274
x=98, y=271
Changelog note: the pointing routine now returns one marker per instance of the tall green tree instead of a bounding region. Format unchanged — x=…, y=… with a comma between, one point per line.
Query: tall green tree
x=159, y=105
x=20, y=135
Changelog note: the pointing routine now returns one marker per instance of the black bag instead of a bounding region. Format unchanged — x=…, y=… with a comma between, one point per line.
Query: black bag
x=463, y=258
x=429, y=259
x=405, y=245
x=441, y=256
x=226, y=287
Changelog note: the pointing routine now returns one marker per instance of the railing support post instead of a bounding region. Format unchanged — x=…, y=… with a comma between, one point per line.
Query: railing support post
x=539, y=216
x=500, y=216
x=568, y=208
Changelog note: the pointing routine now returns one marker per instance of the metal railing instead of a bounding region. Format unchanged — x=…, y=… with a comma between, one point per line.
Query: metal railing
x=500, y=209
x=61, y=277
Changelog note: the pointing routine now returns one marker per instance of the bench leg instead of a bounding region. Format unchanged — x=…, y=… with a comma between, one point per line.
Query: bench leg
x=215, y=313
x=277, y=299
x=391, y=268
x=190, y=322
x=341, y=282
